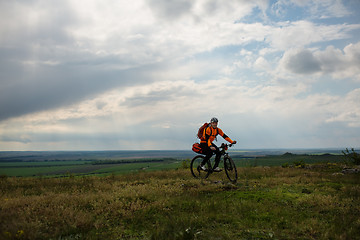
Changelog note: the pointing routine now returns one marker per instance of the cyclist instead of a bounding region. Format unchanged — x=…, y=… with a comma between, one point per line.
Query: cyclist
x=207, y=145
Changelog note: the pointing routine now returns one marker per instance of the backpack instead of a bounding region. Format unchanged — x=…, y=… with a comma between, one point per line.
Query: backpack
x=201, y=130
x=196, y=148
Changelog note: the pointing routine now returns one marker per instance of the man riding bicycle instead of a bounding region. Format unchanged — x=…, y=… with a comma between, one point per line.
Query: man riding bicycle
x=207, y=145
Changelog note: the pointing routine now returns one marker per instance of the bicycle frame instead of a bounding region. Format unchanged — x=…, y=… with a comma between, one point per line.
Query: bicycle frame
x=223, y=152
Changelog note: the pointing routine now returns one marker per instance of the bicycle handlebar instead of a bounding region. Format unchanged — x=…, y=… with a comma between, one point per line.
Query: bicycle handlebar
x=225, y=145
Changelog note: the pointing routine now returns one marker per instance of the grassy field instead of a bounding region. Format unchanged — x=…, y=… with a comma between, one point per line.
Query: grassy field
x=62, y=164
x=316, y=202
x=65, y=167
x=286, y=159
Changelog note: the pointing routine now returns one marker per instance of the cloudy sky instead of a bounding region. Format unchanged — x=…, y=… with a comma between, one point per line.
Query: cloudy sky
x=145, y=74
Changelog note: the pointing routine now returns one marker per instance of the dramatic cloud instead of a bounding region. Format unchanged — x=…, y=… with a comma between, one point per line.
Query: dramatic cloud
x=146, y=74
x=338, y=63
x=171, y=10
x=302, y=62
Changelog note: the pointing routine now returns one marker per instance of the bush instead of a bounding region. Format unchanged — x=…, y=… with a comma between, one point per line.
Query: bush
x=285, y=165
x=186, y=164
x=299, y=164
x=351, y=157
x=3, y=177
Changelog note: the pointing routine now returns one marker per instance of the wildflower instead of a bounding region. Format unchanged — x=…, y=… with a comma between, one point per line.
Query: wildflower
x=19, y=233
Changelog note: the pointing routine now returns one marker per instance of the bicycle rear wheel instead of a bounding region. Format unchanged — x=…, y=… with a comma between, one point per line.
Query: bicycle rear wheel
x=230, y=169
x=195, y=167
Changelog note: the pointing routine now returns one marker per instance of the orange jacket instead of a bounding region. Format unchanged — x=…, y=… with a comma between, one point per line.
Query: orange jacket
x=210, y=134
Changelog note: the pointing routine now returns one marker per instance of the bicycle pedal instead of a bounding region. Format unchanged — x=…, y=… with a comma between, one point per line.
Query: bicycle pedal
x=203, y=168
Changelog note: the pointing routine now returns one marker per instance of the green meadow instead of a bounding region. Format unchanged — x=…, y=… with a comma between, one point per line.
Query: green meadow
x=64, y=168
x=105, y=163
x=286, y=196
x=314, y=202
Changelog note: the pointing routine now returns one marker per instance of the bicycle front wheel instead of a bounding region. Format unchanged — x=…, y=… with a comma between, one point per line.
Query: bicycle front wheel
x=230, y=169
x=195, y=167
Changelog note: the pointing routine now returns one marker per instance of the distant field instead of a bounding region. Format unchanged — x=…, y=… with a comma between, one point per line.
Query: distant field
x=52, y=164
x=56, y=168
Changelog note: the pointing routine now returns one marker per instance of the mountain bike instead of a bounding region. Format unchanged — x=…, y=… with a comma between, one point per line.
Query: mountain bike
x=229, y=165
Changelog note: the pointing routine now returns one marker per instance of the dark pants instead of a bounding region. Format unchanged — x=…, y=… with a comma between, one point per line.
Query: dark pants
x=208, y=153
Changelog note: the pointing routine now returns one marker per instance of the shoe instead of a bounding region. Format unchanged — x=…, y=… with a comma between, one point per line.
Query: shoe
x=202, y=167
x=217, y=169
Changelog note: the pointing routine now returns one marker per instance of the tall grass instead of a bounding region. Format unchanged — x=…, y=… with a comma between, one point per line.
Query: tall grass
x=266, y=203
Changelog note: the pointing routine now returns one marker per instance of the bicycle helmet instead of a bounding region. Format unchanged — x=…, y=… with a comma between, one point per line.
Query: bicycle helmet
x=214, y=119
